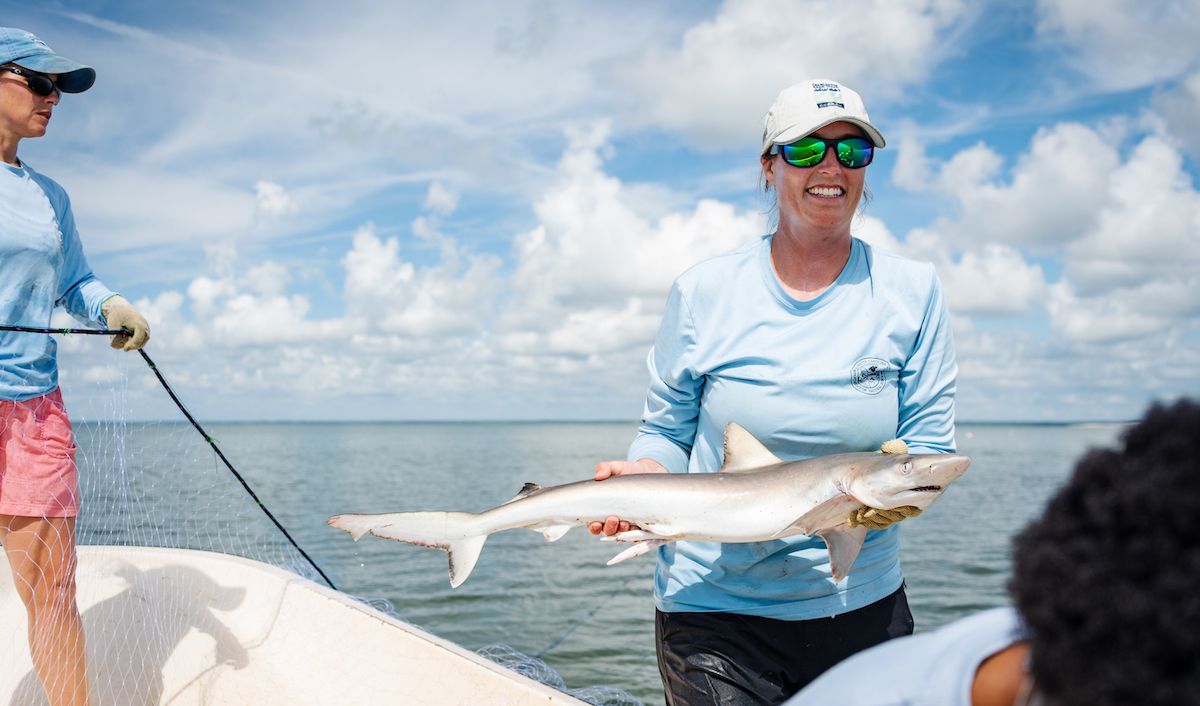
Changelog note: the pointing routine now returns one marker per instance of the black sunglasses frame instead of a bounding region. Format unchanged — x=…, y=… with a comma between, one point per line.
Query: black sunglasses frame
x=778, y=149
x=39, y=83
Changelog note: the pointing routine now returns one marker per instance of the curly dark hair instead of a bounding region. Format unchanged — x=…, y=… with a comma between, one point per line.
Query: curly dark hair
x=1107, y=580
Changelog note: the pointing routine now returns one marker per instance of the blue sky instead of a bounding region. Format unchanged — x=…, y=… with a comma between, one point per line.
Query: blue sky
x=468, y=210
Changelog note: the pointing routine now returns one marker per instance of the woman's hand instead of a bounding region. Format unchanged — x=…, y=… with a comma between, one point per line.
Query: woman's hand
x=606, y=469
x=120, y=314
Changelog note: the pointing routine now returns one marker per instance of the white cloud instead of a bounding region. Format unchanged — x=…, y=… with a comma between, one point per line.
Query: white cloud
x=993, y=281
x=580, y=305
x=273, y=201
x=592, y=252
x=722, y=78
x=1122, y=315
x=1179, y=108
x=1126, y=44
x=441, y=200
x=1118, y=225
x=1051, y=197
x=1148, y=229
x=384, y=293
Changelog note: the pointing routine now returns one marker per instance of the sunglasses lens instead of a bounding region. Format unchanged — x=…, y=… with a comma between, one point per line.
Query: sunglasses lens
x=855, y=152
x=805, y=153
x=41, y=85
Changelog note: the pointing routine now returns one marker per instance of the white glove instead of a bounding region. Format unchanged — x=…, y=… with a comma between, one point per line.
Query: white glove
x=120, y=314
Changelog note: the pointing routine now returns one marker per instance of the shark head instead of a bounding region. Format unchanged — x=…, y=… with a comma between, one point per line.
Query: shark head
x=889, y=481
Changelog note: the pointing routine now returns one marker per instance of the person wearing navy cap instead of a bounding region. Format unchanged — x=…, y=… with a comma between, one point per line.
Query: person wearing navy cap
x=42, y=265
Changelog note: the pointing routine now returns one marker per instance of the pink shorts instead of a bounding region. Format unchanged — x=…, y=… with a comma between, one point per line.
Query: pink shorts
x=37, y=459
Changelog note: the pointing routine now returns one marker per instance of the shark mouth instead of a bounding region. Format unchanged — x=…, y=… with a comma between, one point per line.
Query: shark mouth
x=927, y=489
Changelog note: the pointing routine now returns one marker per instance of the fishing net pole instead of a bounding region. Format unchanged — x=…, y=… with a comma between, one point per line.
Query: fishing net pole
x=203, y=434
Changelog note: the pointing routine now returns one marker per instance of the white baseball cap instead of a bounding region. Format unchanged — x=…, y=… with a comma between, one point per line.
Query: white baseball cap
x=811, y=105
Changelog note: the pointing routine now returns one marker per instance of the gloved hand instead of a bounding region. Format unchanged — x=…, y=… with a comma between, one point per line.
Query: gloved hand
x=120, y=314
x=873, y=518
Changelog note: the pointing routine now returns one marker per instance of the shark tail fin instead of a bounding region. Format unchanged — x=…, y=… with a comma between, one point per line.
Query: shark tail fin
x=452, y=532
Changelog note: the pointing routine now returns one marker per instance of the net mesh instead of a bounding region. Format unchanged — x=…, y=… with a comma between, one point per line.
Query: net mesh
x=202, y=626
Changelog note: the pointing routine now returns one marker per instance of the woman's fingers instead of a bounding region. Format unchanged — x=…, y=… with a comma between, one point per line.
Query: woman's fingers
x=610, y=526
x=606, y=469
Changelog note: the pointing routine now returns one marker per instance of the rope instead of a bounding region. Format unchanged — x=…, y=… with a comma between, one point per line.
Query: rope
x=586, y=618
x=190, y=418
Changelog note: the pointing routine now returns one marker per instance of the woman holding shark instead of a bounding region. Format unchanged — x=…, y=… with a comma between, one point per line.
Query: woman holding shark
x=817, y=344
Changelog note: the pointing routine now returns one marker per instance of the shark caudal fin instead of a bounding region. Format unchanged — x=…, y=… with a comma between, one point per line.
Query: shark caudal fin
x=449, y=531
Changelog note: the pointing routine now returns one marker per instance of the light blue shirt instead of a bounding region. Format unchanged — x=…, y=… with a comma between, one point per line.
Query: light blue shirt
x=41, y=265
x=870, y=359
x=931, y=669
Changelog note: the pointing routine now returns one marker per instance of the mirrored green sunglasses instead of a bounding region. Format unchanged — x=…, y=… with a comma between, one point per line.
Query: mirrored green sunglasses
x=852, y=152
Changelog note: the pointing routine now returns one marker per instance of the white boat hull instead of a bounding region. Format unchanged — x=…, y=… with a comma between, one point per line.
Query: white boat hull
x=186, y=628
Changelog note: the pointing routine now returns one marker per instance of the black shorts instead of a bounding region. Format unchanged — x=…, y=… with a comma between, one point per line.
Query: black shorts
x=742, y=660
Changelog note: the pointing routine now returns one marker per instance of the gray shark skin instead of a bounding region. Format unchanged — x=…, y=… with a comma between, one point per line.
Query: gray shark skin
x=753, y=498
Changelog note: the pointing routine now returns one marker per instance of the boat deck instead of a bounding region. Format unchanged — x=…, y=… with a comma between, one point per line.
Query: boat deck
x=185, y=628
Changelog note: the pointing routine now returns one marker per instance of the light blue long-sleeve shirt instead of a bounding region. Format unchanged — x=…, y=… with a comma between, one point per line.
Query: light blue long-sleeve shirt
x=41, y=265
x=870, y=359
x=931, y=669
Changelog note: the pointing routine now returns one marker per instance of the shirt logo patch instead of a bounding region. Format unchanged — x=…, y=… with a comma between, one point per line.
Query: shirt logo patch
x=867, y=375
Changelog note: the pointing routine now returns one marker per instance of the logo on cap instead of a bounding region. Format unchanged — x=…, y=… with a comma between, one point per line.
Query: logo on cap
x=828, y=95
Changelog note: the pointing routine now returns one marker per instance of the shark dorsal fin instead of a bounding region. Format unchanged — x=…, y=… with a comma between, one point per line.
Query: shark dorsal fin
x=745, y=453
x=525, y=491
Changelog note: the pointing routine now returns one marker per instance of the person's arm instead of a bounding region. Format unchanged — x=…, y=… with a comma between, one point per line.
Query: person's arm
x=928, y=379
x=84, y=296
x=664, y=440
x=672, y=410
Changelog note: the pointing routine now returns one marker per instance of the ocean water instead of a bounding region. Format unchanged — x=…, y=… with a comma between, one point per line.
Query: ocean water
x=524, y=592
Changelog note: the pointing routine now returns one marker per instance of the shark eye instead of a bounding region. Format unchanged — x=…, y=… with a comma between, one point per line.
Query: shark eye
x=906, y=468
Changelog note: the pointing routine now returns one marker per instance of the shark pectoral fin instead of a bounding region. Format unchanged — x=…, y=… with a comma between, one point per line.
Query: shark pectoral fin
x=844, y=545
x=463, y=555
x=745, y=453
x=636, y=535
x=638, y=549
x=829, y=513
x=553, y=533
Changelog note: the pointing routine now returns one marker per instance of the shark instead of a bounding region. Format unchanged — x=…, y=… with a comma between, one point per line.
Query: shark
x=754, y=497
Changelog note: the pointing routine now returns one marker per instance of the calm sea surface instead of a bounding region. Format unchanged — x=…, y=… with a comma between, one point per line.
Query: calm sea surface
x=524, y=592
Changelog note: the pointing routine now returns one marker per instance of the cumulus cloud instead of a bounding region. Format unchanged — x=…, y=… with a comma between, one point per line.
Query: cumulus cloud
x=575, y=310
x=272, y=200
x=1050, y=196
x=1179, y=108
x=1124, y=230
x=722, y=78
x=593, y=252
x=387, y=294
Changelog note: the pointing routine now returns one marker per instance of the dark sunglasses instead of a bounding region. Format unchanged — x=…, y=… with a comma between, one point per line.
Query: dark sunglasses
x=852, y=152
x=40, y=84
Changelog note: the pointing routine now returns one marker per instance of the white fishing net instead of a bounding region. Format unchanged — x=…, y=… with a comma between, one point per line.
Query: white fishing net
x=175, y=614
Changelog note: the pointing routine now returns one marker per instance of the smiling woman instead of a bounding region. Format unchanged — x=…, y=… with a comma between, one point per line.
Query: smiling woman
x=817, y=344
x=42, y=265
